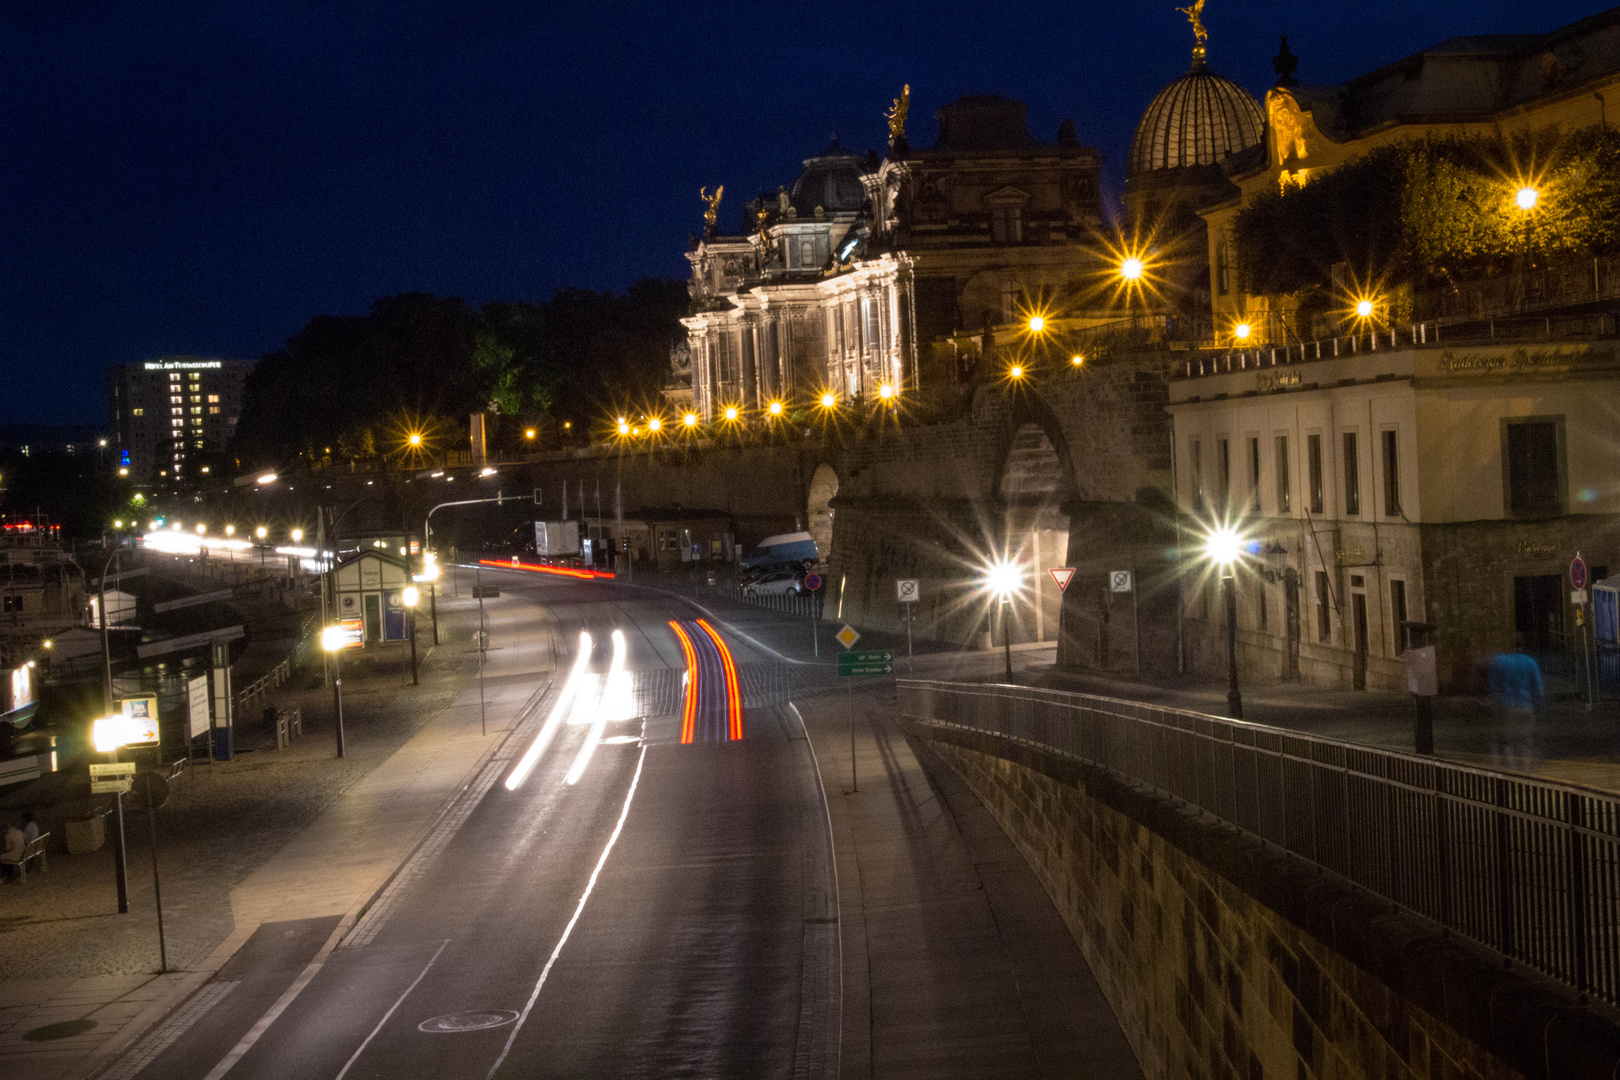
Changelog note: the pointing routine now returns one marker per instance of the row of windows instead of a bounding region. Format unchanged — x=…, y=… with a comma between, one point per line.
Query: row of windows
x=1533, y=474
x=1358, y=624
x=1315, y=487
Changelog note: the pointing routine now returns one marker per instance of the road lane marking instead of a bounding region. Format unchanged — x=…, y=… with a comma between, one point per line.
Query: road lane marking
x=610, y=705
x=347, y=1065
x=228, y=1062
x=559, y=712
x=734, y=724
x=578, y=911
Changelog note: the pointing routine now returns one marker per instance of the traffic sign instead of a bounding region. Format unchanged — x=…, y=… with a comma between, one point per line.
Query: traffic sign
x=1062, y=575
x=113, y=768
x=812, y=583
x=861, y=664
x=907, y=590
x=142, y=711
x=111, y=787
x=1577, y=571
x=848, y=636
x=1119, y=581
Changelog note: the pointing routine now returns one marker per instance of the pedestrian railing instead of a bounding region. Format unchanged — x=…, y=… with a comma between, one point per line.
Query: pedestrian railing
x=1526, y=867
x=790, y=603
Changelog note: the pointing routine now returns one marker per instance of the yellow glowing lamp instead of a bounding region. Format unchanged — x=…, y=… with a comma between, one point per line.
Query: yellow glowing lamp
x=110, y=732
x=624, y=426
x=529, y=434
x=1242, y=331
x=886, y=391
x=1036, y=324
x=1017, y=371
x=297, y=535
x=828, y=400
x=1003, y=578
x=731, y=412
x=1223, y=546
x=1131, y=269
x=1527, y=198
x=201, y=529
x=655, y=424
x=410, y=596
x=261, y=532
x=690, y=419
x=1077, y=360
x=775, y=408
x=123, y=471
x=1364, y=308
x=416, y=439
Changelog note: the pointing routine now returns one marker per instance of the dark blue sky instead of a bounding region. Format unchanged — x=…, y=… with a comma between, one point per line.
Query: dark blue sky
x=182, y=176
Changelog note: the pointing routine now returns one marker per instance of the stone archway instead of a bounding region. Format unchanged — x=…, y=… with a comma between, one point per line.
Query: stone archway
x=1034, y=484
x=819, y=511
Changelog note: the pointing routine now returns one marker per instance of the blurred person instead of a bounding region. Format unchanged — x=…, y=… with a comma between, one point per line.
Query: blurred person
x=30, y=829
x=1515, y=683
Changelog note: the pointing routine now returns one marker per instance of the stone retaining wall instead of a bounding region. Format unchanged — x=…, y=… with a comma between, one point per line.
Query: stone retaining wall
x=1244, y=962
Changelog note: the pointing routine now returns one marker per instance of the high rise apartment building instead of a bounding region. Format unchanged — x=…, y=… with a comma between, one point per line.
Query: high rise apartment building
x=166, y=414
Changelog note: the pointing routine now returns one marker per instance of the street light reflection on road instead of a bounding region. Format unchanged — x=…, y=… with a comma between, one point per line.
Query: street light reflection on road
x=559, y=712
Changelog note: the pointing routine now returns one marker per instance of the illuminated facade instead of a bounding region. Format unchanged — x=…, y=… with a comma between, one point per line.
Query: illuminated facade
x=1491, y=86
x=844, y=283
x=164, y=414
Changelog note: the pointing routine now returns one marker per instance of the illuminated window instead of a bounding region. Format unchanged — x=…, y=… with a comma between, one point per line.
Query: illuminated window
x=213, y=409
x=176, y=399
x=196, y=410
x=213, y=397
x=137, y=412
x=177, y=423
x=199, y=444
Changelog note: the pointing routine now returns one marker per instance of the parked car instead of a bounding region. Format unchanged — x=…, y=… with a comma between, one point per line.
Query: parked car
x=778, y=583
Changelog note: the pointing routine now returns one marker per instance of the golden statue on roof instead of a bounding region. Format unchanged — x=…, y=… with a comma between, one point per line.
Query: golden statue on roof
x=897, y=116
x=712, y=214
x=1195, y=15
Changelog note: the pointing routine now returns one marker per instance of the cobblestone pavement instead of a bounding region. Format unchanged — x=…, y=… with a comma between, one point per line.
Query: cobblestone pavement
x=222, y=821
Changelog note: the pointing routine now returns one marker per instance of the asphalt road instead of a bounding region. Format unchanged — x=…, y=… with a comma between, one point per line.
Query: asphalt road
x=663, y=914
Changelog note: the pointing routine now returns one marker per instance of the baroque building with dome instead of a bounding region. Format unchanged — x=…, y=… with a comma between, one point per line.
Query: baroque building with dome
x=845, y=282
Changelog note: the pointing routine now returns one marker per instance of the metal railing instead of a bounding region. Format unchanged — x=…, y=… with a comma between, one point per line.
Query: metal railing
x=790, y=603
x=1432, y=334
x=1526, y=867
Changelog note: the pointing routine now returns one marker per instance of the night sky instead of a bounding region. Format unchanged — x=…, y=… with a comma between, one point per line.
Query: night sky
x=189, y=177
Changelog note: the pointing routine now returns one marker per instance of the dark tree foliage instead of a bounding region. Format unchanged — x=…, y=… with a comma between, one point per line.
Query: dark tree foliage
x=1413, y=212
x=74, y=491
x=351, y=387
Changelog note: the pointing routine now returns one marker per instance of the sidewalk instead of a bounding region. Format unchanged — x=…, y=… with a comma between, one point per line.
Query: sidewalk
x=269, y=837
x=955, y=962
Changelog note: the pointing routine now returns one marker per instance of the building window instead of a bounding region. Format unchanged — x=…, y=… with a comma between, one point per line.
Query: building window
x=137, y=412
x=1197, y=476
x=1397, y=613
x=1313, y=464
x=213, y=410
x=1006, y=224
x=1532, y=468
x=1254, y=475
x=13, y=604
x=1223, y=268
x=1392, y=475
x=214, y=398
x=196, y=409
x=1324, y=619
x=1284, y=496
x=1224, y=448
x=1352, y=477
x=1260, y=588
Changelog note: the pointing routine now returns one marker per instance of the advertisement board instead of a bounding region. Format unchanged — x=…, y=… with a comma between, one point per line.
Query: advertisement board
x=142, y=712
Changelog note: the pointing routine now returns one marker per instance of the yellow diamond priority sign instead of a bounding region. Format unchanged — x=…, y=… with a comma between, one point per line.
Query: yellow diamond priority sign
x=848, y=636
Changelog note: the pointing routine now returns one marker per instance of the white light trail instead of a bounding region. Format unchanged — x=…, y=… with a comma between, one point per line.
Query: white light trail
x=559, y=711
x=608, y=707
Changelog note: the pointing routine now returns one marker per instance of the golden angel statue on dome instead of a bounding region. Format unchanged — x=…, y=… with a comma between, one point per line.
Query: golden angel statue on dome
x=712, y=214
x=897, y=116
x=1195, y=15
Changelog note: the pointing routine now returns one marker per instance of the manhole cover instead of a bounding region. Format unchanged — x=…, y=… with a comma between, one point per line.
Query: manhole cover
x=451, y=1023
x=65, y=1030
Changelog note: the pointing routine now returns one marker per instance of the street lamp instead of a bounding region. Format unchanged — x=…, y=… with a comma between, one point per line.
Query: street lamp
x=1527, y=197
x=774, y=408
x=1016, y=371
x=690, y=420
x=1130, y=268
x=731, y=412
x=334, y=639
x=1037, y=323
x=1242, y=331
x=1077, y=360
x=1004, y=578
x=829, y=400
x=1224, y=547
x=411, y=596
x=297, y=535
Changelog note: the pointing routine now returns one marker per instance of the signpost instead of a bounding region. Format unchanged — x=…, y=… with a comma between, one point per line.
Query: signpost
x=847, y=636
x=1062, y=575
x=1577, y=578
x=909, y=592
x=1119, y=581
x=152, y=791
x=856, y=665
x=812, y=585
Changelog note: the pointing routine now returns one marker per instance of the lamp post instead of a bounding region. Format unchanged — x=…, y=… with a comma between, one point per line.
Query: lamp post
x=334, y=639
x=411, y=596
x=120, y=863
x=1223, y=548
x=1004, y=578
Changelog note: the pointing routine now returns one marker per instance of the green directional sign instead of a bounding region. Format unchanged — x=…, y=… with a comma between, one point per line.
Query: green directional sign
x=859, y=664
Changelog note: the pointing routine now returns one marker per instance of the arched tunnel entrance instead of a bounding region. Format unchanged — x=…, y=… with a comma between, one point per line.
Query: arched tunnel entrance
x=819, y=512
x=1034, y=485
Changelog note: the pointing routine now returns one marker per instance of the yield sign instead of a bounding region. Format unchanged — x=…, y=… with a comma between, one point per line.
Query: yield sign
x=1062, y=575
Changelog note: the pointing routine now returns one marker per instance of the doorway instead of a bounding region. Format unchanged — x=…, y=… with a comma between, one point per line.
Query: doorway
x=1358, y=610
x=1538, y=611
x=373, y=617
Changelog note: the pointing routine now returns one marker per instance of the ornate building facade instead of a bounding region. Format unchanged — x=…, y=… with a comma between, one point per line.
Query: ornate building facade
x=840, y=283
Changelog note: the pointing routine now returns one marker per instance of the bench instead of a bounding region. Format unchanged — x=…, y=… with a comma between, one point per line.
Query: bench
x=35, y=850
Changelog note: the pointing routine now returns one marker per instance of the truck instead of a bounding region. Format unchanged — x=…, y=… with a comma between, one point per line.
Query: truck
x=781, y=550
x=553, y=539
